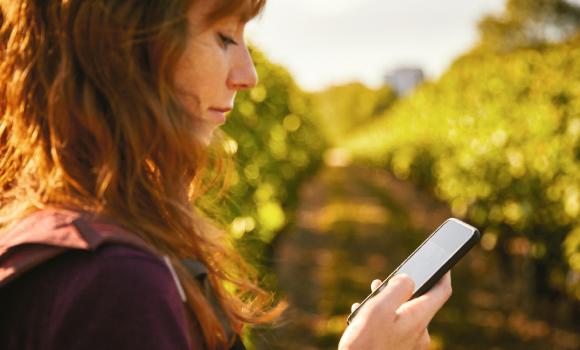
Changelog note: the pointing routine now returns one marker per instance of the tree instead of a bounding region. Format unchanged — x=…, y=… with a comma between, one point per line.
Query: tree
x=530, y=23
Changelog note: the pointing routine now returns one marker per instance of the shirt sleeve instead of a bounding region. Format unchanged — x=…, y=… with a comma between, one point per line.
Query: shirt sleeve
x=118, y=298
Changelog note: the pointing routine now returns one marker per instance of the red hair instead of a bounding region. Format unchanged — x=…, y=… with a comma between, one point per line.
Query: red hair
x=90, y=120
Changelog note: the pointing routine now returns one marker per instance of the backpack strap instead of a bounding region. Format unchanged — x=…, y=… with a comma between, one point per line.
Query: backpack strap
x=200, y=272
x=48, y=233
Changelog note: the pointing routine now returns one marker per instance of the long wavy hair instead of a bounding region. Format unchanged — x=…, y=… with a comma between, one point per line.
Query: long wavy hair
x=91, y=120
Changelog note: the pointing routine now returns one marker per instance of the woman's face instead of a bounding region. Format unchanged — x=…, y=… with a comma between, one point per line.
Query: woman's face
x=215, y=65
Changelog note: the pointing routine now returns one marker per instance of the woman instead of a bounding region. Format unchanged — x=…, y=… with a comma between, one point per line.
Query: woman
x=108, y=112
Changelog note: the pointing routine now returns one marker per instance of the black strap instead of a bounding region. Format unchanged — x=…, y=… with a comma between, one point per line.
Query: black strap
x=199, y=272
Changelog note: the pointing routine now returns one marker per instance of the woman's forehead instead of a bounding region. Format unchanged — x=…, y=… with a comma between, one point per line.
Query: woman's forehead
x=206, y=13
x=245, y=10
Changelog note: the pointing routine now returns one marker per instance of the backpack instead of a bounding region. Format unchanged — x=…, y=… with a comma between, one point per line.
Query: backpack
x=25, y=246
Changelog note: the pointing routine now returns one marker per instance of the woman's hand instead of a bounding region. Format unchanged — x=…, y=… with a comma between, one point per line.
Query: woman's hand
x=391, y=321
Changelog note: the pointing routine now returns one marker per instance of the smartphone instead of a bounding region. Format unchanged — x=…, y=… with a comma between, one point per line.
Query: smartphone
x=433, y=258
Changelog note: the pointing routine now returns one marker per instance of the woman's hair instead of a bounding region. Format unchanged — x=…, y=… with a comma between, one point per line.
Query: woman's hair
x=90, y=120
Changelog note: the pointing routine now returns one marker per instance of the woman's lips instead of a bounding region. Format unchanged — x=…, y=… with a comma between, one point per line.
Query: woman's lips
x=219, y=114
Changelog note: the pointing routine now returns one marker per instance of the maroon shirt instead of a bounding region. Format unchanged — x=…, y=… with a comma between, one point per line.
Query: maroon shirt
x=117, y=297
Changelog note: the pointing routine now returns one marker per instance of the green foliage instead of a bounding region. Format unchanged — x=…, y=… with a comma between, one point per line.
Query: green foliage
x=498, y=138
x=340, y=109
x=529, y=23
x=275, y=147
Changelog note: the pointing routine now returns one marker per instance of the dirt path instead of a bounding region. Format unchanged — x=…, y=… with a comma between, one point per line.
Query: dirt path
x=350, y=229
x=356, y=224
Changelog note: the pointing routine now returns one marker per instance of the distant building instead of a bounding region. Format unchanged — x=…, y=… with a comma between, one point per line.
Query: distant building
x=404, y=80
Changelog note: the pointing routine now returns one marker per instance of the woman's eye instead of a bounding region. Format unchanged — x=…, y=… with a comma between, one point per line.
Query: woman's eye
x=226, y=40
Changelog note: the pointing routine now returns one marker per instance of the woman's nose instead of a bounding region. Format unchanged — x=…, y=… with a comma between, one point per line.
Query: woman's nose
x=243, y=72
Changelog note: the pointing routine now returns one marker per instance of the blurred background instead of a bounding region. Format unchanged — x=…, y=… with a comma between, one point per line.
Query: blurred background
x=373, y=122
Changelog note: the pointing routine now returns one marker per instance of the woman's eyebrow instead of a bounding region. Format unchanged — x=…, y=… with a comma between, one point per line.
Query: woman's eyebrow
x=235, y=25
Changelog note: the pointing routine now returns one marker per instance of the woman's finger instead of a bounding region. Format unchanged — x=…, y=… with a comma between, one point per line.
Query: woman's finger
x=354, y=307
x=398, y=290
x=375, y=284
x=422, y=309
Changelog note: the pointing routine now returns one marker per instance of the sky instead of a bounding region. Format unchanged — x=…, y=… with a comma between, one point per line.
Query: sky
x=330, y=42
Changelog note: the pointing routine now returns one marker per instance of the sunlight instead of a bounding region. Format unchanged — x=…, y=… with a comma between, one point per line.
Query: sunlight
x=329, y=8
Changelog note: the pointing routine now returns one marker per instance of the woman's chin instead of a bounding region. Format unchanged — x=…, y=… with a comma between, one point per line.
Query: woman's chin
x=206, y=138
x=205, y=133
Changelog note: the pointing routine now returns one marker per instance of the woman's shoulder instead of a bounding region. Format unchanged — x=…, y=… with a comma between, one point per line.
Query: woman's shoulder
x=76, y=250
x=116, y=294
x=114, y=275
x=115, y=263
x=115, y=297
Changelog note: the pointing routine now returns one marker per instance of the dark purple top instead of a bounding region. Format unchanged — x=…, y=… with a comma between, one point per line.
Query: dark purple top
x=118, y=297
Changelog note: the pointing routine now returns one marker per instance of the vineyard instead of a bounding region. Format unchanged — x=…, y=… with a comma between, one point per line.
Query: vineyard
x=498, y=138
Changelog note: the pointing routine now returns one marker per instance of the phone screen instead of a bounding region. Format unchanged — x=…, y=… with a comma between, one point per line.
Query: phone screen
x=435, y=252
